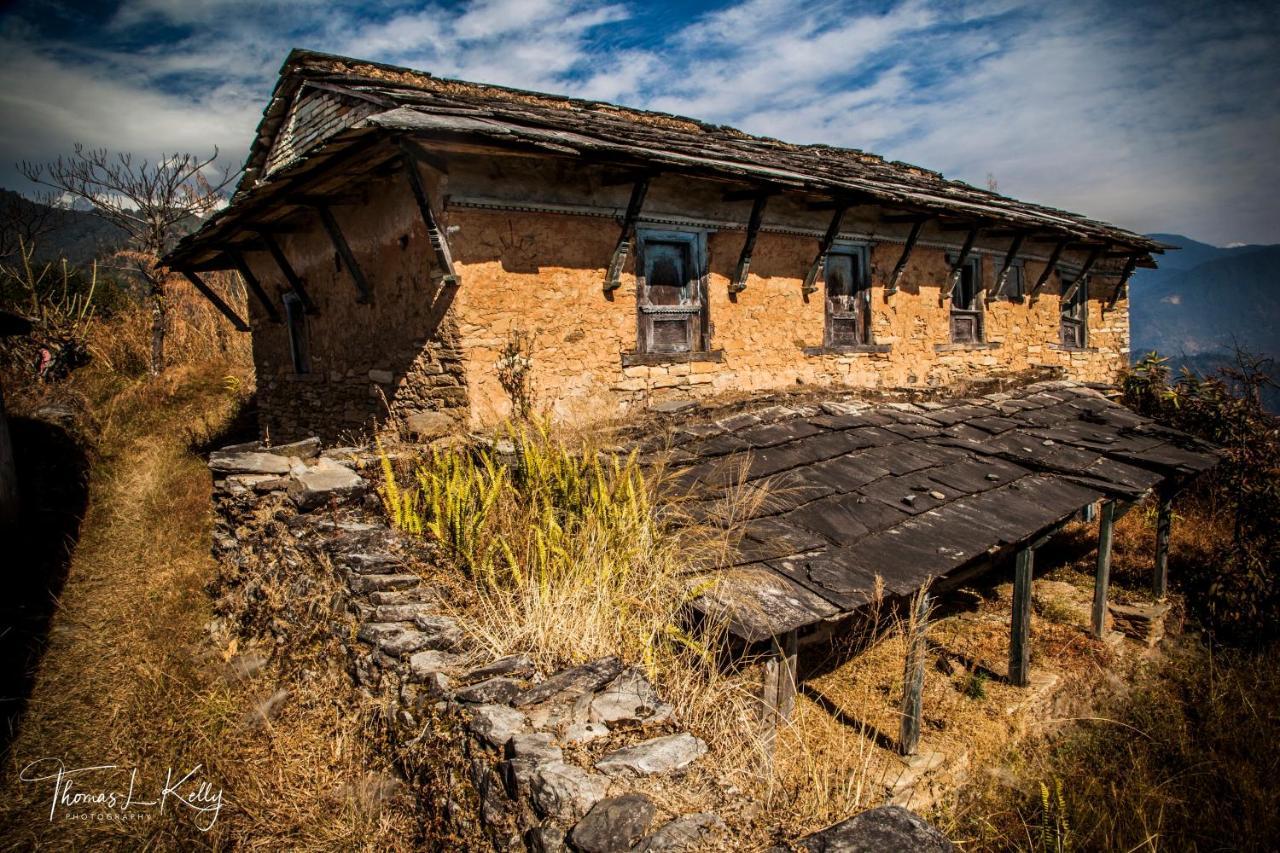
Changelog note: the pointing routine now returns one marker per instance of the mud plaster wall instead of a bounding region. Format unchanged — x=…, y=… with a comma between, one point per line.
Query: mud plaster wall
x=401, y=348
x=542, y=273
x=424, y=349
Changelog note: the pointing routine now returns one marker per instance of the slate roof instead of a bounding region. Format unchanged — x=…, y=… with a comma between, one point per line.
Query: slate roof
x=908, y=492
x=430, y=107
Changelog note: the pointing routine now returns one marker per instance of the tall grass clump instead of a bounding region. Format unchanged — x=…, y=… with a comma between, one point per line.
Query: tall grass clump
x=563, y=547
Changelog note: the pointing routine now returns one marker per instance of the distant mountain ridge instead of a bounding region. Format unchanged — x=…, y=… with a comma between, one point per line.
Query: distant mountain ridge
x=1204, y=301
x=75, y=234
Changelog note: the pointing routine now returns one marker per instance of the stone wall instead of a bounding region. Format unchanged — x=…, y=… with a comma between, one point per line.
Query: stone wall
x=399, y=353
x=540, y=271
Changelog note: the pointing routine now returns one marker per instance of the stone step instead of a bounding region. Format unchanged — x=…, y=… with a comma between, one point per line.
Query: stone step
x=364, y=584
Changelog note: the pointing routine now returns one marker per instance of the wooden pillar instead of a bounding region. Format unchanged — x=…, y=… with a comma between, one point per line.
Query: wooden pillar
x=1103, y=578
x=913, y=676
x=778, y=694
x=1020, y=626
x=1164, y=521
x=1091, y=513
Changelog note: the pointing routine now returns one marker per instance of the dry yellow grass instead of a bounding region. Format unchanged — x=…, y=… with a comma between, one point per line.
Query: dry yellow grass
x=130, y=677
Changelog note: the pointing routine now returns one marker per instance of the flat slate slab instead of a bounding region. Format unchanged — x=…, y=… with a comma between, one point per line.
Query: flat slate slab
x=891, y=497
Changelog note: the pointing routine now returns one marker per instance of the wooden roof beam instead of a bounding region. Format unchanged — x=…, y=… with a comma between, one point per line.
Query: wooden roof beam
x=224, y=308
x=252, y=284
x=958, y=266
x=1125, y=275
x=1049, y=267
x=824, y=246
x=613, y=276
x=901, y=267
x=286, y=269
x=439, y=245
x=1009, y=258
x=739, y=282
x=364, y=295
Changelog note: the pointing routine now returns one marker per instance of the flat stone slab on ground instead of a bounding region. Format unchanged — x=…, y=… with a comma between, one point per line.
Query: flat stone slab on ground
x=658, y=755
x=566, y=792
x=322, y=482
x=690, y=832
x=248, y=463
x=629, y=699
x=878, y=830
x=496, y=724
x=577, y=680
x=614, y=825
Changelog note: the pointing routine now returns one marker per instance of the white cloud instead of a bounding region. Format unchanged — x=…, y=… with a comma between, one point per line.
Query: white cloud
x=1155, y=120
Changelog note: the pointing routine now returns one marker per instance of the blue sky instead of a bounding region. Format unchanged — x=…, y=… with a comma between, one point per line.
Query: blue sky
x=1156, y=116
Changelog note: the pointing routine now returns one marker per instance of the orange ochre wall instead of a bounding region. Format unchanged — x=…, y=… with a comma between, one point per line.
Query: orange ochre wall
x=543, y=274
x=420, y=348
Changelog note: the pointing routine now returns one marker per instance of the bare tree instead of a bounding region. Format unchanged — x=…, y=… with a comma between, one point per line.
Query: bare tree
x=154, y=203
x=24, y=221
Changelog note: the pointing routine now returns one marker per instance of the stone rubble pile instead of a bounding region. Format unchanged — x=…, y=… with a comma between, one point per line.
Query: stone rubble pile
x=407, y=644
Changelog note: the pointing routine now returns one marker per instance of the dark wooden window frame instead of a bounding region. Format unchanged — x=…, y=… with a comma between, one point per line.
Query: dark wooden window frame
x=971, y=317
x=695, y=243
x=1073, y=327
x=862, y=305
x=295, y=312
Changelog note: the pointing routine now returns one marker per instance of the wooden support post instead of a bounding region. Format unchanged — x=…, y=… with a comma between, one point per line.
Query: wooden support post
x=439, y=245
x=778, y=690
x=1009, y=258
x=344, y=251
x=833, y=231
x=295, y=283
x=1090, y=513
x=1103, y=578
x=613, y=278
x=739, y=282
x=252, y=284
x=958, y=266
x=1125, y=274
x=1164, y=524
x=1082, y=275
x=194, y=278
x=901, y=267
x=1020, y=627
x=1049, y=266
x=913, y=676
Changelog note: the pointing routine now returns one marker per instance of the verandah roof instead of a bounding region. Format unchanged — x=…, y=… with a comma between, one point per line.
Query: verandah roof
x=901, y=494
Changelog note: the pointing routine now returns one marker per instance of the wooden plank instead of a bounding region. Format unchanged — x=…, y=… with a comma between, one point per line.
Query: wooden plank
x=613, y=278
x=1164, y=524
x=253, y=285
x=1049, y=267
x=901, y=267
x=344, y=251
x=958, y=266
x=824, y=246
x=1103, y=578
x=227, y=311
x=286, y=269
x=913, y=676
x=739, y=282
x=1009, y=258
x=439, y=245
x=787, y=675
x=1125, y=274
x=1020, y=628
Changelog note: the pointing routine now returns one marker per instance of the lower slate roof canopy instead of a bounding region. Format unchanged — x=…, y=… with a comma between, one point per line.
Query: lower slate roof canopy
x=869, y=501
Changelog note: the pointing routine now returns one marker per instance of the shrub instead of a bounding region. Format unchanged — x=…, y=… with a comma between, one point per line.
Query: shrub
x=1236, y=590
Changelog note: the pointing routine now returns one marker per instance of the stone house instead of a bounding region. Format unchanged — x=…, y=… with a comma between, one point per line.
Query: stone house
x=398, y=231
